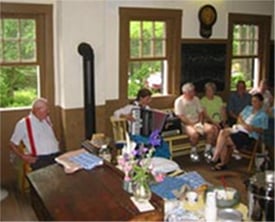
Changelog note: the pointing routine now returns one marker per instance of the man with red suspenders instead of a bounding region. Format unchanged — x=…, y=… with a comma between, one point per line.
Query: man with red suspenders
x=37, y=134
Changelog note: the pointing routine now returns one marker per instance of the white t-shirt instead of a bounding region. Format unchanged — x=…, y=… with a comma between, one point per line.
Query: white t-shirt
x=189, y=108
x=126, y=110
x=44, y=139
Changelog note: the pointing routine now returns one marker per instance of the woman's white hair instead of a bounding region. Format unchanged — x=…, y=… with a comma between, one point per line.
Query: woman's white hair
x=187, y=87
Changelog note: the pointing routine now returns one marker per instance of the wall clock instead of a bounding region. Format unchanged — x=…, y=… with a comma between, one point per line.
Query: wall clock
x=207, y=17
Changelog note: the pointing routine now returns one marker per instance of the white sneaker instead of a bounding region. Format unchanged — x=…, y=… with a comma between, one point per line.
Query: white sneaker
x=194, y=156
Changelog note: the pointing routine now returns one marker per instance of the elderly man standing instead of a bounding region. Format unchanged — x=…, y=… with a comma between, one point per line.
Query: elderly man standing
x=188, y=108
x=36, y=133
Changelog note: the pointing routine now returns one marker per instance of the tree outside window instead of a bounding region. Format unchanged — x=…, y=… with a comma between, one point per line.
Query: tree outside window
x=249, y=36
x=19, y=71
x=149, y=51
x=147, y=57
x=245, y=58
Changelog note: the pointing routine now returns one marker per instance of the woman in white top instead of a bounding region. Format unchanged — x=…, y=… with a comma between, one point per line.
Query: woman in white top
x=143, y=99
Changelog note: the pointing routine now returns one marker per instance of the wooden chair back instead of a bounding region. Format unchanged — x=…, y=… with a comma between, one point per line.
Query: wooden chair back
x=120, y=128
x=22, y=168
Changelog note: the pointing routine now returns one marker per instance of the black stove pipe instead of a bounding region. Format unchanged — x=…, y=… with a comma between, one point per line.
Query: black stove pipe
x=86, y=51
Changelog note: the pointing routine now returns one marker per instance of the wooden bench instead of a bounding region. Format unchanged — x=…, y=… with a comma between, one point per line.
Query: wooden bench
x=178, y=144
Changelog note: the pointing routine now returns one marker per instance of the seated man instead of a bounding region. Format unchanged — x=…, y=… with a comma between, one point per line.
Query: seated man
x=251, y=123
x=188, y=108
x=142, y=100
x=237, y=101
x=37, y=134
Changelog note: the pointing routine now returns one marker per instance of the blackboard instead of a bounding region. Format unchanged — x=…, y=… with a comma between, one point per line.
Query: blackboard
x=203, y=62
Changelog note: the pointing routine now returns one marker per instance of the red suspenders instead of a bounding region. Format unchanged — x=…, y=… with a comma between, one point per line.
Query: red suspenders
x=29, y=129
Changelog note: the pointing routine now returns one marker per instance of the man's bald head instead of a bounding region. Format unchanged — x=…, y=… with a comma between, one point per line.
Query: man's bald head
x=40, y=108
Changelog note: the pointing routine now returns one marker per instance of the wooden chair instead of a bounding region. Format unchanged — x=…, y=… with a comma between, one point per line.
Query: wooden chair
x=120, y=127
x=251, y=154
x=22, y=169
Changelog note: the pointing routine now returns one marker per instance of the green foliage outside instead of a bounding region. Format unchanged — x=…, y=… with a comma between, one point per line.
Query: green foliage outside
x=18, y=86
x=18, y=83
x=147, y=41
x=237, y=77
x=140, y=73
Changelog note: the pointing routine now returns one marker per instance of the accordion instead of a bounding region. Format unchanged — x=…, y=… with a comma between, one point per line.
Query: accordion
x=147, y=121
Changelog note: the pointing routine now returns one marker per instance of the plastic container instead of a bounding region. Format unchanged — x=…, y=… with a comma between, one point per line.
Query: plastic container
x=105, y=153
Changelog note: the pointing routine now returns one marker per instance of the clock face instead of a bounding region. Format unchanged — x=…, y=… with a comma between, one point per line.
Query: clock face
x=207, y=15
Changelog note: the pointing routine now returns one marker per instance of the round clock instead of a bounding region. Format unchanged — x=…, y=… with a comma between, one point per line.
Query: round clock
x=207, y=15
x=207, y=18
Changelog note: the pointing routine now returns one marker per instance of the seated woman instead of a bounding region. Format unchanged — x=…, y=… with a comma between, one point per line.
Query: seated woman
x=142, y=101
x=213, y=109
x=251, y=123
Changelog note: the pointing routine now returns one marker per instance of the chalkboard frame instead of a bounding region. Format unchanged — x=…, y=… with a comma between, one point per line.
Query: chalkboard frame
x=199, y=67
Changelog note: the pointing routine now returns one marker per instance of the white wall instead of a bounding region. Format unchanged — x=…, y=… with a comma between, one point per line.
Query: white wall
x=97, y=23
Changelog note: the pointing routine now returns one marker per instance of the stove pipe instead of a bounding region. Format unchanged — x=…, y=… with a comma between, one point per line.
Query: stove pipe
x=87, y=53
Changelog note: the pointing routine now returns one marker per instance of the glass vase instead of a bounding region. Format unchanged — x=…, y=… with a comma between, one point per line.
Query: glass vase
x=141, y=191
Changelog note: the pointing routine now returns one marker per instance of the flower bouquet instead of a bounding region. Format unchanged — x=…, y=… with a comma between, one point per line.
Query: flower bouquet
x=136, y=164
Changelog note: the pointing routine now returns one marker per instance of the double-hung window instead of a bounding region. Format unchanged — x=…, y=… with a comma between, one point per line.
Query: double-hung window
x=19, y=78
x=149, y=50
x=249, y=37
x=26, y=70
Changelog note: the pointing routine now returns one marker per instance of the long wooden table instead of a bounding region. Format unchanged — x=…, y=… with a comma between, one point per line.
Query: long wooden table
x=96, y=194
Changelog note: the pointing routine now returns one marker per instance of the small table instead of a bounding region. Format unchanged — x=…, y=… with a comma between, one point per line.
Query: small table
x=96, y=194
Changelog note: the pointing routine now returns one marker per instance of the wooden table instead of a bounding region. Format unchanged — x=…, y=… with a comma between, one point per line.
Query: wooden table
x=86, y=195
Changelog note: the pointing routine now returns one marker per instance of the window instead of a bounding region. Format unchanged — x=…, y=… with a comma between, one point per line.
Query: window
x=19, y=68
x=249, y=36
x=23, y=57
x=149, y=50
x=147, y=57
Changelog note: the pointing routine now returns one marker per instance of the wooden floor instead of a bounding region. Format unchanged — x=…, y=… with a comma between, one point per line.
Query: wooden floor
x=17, y=206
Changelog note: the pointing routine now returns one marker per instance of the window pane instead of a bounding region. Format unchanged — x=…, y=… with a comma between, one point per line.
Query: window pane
x=135, y=29
x=11, y=28
x=159, y=48
x=160, y=30
x=134, y=48
x=146, y=74
x=18, y=85
x=1, y=51
x=11, y=51
x=253, y=32
x=244, y=69
x=19, y=40
x=27, y=29
x=146, y=48
x=1, y=32
x=147, y=30
x=28, y=50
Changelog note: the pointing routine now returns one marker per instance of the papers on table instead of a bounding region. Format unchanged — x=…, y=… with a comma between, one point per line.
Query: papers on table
x=78, y=159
